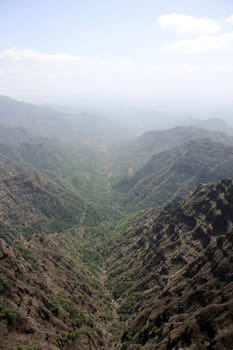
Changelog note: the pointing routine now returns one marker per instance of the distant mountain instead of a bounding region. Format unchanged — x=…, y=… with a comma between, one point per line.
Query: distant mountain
x=48, y=123
x=138, y=119
x=214, y=124
x=15, y=135
x=172, y=274
x=48, y=158
x=155, y=141
x=37, y=120
x=130, y=156
x=175, y=172
x=134, y=119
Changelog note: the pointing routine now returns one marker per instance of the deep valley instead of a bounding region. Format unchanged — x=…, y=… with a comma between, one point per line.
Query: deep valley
x=112, y=241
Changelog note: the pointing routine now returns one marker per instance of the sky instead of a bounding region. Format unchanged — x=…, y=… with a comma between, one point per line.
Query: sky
x=120, y=50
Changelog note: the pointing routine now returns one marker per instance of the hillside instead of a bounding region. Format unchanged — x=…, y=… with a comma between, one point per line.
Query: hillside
x=31, y=202
x=164, y=283
x=130, y=156
x=49, y=298
x=176, y=172
x=86, y=265
x=172, y=274
x=48, y=123
x=214, y=124
x=47, y=157
x=155, y=141
x=14, y=136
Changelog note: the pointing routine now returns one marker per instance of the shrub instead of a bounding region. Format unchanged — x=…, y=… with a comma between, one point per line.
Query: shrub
x=9, y=314
x=4, y=285
x=26, y=253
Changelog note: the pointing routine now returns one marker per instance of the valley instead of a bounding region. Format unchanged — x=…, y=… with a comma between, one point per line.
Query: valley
x=109, y=243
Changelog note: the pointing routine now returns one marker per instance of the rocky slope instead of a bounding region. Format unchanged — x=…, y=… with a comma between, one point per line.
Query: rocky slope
x=49, y=298
x=128, y=157
x=176, y=172
x=47, y=157
x=172, y=274
x=30, y=202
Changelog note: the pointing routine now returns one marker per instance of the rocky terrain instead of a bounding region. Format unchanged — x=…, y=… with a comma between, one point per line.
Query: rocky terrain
x=30, y=202
x=166, y=282
x=50, y=299
x=172, y=274
x=86, y=264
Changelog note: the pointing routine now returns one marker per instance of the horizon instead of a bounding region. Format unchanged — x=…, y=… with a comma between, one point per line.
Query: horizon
x=146, y=55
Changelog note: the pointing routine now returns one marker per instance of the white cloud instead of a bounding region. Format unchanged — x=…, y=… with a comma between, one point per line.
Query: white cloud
x=205, y=43
x=16, y=55
x=229, y=20
x=27, y=71
x=185, y=24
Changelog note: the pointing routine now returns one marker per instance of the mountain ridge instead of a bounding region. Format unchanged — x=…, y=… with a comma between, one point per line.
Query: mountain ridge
x=176, y=172
x=172, y=274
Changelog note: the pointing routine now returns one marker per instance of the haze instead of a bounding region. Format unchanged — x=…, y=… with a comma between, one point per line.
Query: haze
x=150, y=53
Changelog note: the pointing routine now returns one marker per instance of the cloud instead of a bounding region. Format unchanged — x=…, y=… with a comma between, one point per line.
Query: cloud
x=23, y=55
x=28, y=71
x=229, y=20
x=200, y=44
x=31, y=65
x=185, y=24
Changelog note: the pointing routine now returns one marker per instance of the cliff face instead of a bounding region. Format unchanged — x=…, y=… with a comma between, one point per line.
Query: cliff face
x=173, y=274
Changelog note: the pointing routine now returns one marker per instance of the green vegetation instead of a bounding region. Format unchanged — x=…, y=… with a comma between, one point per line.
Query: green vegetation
x=170, y=173
x=4, y=285
x=125, y=339
x=131, y=303
x=120, y=288
x=76, y=315
x=107, y=251
x=10, y=315
x=27, y=254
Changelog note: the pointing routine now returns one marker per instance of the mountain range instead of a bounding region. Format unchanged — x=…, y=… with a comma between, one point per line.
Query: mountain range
x=113, y=242
x=177, y=171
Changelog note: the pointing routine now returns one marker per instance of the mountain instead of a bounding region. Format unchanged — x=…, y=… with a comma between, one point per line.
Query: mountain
x=15, y=135
x=50, y=298
x=47, y=157
x=130, y=156
x=155, y=141
x=8, y=168
x=172, y=275
x=165, y=283
x=214, y=124
x=47, y=123
x=81, y=267
x=176, y=172
x=31, y=203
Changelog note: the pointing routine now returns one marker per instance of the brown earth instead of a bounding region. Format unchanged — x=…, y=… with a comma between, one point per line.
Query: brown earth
x=173, y=274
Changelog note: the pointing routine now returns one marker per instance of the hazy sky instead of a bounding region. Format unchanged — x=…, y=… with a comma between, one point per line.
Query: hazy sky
x=136, y=50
